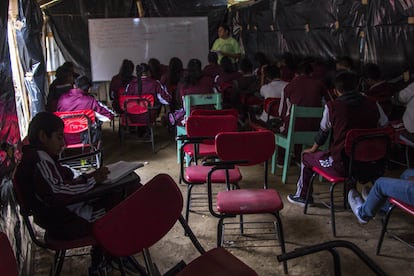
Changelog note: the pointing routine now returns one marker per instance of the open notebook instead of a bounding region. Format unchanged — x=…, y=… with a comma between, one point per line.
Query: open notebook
x=120, y=169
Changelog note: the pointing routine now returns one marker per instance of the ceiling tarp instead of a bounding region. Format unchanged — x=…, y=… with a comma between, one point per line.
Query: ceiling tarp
x=378, y=32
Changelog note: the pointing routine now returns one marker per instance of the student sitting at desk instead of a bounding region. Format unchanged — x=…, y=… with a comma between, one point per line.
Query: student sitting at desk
x=79, y=98
x=146, y=84
x=193, y=81
x=50, y=188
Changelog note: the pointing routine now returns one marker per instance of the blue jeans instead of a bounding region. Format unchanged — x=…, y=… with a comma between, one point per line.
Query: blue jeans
x=399, y=188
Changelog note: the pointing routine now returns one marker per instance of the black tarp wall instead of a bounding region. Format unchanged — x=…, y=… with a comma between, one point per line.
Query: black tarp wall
x=378, y=32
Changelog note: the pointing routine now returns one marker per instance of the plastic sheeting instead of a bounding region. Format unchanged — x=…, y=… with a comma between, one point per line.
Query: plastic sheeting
x=378, y=32
x=31, y=53
x=31, y=59
x=9, y=138
x=9, y=128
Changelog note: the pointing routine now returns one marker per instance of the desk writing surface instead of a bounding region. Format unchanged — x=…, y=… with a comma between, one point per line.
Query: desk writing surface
x=102, y=189
x=120, y=169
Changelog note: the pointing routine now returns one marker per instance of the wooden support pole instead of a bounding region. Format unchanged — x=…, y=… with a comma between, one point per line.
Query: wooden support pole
x=18, y=75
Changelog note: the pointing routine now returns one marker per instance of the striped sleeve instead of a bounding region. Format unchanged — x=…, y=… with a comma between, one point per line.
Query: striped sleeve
x=54, y=185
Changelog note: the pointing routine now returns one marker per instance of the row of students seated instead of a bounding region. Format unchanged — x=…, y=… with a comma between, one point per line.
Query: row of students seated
x=237, y=86
x=315, y=77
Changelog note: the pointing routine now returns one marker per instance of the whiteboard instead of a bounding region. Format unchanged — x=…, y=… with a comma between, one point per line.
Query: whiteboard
x=113, y=39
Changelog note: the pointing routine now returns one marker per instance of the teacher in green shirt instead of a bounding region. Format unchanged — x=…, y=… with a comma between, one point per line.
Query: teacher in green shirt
x=225, y=45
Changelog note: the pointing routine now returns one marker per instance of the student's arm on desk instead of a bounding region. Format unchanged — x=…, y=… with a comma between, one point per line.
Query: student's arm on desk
x=100, y=174
x=103, y=189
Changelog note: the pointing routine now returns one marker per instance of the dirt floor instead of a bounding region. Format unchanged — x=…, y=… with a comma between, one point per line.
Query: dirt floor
x=300, y=230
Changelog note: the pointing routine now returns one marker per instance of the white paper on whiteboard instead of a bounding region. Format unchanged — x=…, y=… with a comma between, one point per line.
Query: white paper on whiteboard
x=113, y=39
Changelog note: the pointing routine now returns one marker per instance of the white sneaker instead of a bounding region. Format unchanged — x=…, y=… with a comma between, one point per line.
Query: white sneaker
x=355, y=201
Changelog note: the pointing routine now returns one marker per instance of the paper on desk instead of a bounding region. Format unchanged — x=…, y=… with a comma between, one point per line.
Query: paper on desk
x=120, y=169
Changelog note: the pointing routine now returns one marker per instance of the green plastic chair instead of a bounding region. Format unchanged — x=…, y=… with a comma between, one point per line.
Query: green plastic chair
x=306, y=138
x=194, y=100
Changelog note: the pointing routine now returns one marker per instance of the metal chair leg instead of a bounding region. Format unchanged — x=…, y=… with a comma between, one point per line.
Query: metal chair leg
x=336, y=260
x=331, y=191
x=188, y=205
x=308, y=193
x=384, y=228
x=241, y=225
x=58, y=262
x=220, y=234
x=281, y=239
x=152, y=139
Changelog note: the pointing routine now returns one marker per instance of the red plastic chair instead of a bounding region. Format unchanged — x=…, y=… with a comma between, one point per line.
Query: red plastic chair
x=399, y=140
x=148, y=215
x=407, y=208
x=47, y=242
x=271, y=106
x=207, y=126
x=76, y=123
x=367, y=150
x=205, y=148
x=201, y=131
x=247, y=148
x=138, y=111
x=8, y=264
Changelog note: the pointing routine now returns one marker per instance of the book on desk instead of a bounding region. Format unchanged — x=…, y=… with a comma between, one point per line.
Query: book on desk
x=120, y=169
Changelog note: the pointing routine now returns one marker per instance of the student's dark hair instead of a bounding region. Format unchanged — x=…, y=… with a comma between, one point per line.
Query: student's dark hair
x=212, y=57
x=304, y=68
x=62, y=74
x=345, y=61
x=126, y=70
x=246, y=65
x=225, y=27
x=46, y=122
x=141, y=69
x=71, y=67
x=288, y=59
x=261, y=58
x=175, y=70
x=371, y=71
x=272, y=71
x=154, y=66
x=83, y=83
x=193, y=74
x=346, y=81
x=227, y=65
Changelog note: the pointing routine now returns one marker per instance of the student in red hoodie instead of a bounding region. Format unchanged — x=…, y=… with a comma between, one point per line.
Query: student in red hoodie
x=49, y=187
